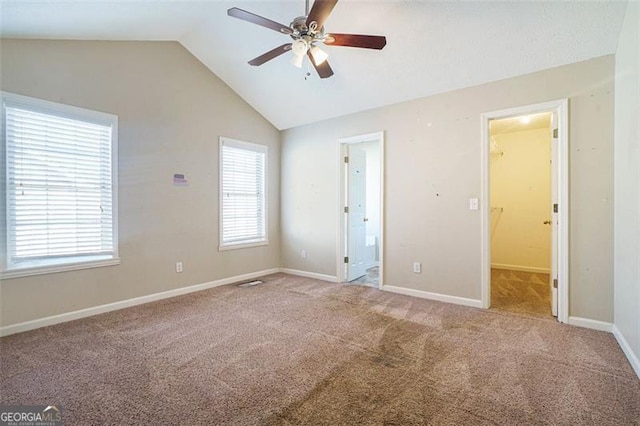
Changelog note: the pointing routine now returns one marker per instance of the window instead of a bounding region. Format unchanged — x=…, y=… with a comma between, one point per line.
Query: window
x=243, y=217
x=60, y=179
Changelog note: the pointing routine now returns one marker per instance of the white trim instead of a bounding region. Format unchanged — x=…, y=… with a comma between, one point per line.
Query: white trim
x=590, y=323
x=381, y=212
x=307, y=274
x=243, y=245
x=340, y=237
x=626, y=348
x=95, y=310
x=77, y=113
x=27, y=272
x=522, y=268
x=249, y=146
x=561, y=108
x=456, y=300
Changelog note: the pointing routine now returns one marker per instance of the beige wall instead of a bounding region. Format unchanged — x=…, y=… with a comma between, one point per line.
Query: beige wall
x=171, y=112
x=627, y=182
x=432, y=168
x=520, y=190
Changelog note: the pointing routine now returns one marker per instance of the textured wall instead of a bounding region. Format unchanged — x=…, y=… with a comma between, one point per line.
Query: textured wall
x=521, y=188
x=171, y=112
x=432, y=168
x=627, y=182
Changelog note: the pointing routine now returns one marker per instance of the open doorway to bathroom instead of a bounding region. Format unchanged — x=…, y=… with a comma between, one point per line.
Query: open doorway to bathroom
x=520, y=164
x=361, y=210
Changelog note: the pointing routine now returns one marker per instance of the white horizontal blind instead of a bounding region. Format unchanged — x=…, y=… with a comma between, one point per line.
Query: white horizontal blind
x=243, y=199
x=59, y=186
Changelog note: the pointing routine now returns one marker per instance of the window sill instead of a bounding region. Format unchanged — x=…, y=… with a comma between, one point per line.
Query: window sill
x=242, y=245
x=28, y=271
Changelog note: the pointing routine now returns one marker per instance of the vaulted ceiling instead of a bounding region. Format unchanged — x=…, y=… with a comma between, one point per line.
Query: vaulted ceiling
x=432, y=47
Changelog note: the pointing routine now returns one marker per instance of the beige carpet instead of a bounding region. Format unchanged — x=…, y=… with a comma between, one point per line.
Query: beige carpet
x=301, y=351
x=521, y=292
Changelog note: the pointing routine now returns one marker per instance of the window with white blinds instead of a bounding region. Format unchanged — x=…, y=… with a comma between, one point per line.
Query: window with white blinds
x=243, y=217
x=60, y=184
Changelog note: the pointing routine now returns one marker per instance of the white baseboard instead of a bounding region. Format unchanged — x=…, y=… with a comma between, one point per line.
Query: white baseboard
x=592, y=324
x=83, y=313
x=522, y=268
x=626, y=348
x=307, y=274
x=474, y=303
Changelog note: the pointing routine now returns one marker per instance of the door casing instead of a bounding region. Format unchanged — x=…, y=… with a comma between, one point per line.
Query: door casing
x=560, y=108
x=341, y=247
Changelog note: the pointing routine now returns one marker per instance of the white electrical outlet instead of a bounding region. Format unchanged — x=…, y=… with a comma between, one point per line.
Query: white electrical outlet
x=178, y=267
x=303, y=254
x=417, y=267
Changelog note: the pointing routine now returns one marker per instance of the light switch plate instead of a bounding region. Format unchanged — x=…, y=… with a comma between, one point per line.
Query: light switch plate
x=473, y=204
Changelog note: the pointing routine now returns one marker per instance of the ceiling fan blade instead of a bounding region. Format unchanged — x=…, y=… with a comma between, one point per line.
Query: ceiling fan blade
x=258, y=20
x=324, y=70
x=270, y=54
x=320, y=11
x=356, y=40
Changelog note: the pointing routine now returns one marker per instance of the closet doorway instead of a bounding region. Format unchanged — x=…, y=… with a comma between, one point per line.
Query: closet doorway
x=521, y=213
x=524, y=210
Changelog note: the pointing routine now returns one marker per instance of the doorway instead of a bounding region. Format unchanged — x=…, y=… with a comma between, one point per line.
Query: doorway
x=520, y=182
x=524, y=210
x=360, y=254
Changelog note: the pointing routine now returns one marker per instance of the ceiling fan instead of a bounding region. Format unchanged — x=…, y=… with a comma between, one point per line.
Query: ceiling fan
x=307, y=32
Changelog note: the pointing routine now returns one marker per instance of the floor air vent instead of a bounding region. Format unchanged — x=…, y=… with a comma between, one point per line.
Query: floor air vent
x=251, y=283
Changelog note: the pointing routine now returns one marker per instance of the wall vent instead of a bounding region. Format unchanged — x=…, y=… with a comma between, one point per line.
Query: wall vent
x=250, y=283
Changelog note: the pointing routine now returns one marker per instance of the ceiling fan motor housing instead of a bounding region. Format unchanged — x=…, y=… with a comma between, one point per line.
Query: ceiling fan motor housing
x=300, y=30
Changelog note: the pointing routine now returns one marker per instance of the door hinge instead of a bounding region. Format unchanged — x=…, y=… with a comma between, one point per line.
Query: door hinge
x=346, y=209
x=555, y=283
x=555, y=208
x=555, y=133
x=346, y=160
x=346, y=259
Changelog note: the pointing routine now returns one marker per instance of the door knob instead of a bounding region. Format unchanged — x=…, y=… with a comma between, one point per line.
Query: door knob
x=366, y=219
x=547, y=222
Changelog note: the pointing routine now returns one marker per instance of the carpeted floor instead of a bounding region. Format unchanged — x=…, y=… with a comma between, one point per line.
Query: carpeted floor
x=521, y=292
x=302, y=351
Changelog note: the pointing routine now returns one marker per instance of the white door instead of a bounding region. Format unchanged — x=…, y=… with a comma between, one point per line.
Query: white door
x=356, y=216
x=553, y=277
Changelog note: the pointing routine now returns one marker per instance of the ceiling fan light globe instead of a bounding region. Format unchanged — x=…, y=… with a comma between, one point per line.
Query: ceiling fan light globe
x=299, y=47
x=319, y=55
x=297, y=60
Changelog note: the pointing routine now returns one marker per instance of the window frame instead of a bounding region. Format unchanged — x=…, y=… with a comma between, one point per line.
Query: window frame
x=68, y=263
x=222, y=246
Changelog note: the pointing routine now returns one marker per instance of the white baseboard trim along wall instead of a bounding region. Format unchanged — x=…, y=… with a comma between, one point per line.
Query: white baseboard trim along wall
x=626, y=348
x=592, y=324
x=520, y=268
x=315, y=275
x=83, y=313
x=474, y=303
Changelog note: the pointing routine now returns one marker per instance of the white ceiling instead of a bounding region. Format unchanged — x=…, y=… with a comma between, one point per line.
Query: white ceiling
x=432, y=47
